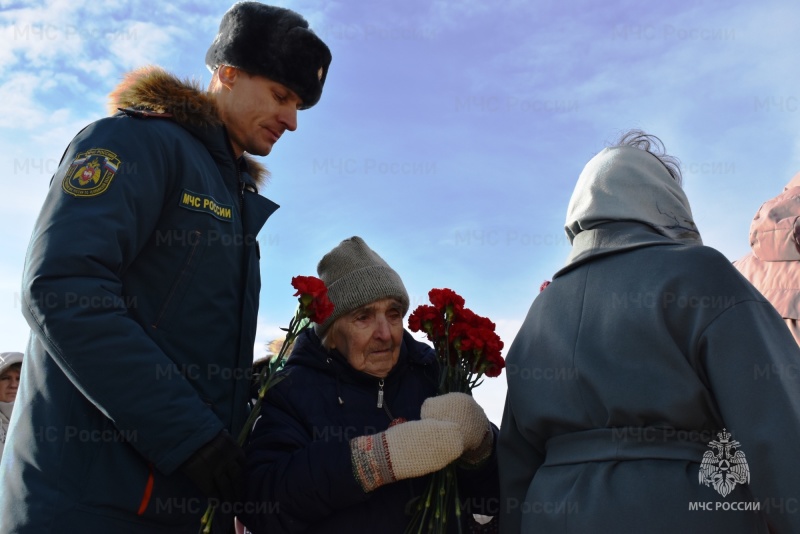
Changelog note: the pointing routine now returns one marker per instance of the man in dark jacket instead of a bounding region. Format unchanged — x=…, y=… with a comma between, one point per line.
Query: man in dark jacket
x=141, y=290
x=347, y=439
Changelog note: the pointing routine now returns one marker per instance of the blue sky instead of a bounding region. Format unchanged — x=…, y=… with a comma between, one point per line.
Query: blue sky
x=449, y=135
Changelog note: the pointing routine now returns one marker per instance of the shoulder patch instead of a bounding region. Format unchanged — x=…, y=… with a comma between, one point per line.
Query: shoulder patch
x=205, y=204
x=90, y=173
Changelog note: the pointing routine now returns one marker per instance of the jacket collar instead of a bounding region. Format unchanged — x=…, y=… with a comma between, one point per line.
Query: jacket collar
x=612, y=238
x=151, y=91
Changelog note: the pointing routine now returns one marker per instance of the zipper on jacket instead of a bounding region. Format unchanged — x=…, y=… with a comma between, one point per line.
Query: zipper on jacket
x=381, y=403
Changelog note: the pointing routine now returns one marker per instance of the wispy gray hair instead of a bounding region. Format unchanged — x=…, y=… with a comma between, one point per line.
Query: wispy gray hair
x=652, y=144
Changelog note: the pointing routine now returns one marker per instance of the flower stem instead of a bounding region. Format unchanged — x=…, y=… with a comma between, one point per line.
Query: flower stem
x=457, y=499
x=266, y=379
x=208, y=517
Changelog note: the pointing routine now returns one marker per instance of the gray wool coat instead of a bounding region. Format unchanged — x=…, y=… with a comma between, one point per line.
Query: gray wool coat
x=637, y=356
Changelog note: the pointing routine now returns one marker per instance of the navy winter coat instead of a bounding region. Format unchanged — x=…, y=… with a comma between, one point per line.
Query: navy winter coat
x=141, y=289
x=300, y=474
x=636, y=357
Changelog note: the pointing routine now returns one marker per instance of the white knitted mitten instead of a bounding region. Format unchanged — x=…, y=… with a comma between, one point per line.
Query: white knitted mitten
x=461, y=409
x=407, y=450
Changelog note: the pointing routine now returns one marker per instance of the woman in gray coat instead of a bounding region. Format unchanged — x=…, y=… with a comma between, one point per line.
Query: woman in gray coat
x=651, y=388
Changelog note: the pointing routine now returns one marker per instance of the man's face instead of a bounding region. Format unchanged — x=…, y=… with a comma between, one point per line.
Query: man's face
x=256, y=110
x=370, y=337
x=9, y=382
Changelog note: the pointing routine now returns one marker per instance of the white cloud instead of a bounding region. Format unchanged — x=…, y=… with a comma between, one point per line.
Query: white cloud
x=135, y=44
x=18, y=93
x=38, y=36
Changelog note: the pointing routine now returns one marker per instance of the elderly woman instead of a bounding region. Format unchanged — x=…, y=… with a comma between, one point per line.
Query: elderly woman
x=347, y=437
x=10, y=365
x=676, y=406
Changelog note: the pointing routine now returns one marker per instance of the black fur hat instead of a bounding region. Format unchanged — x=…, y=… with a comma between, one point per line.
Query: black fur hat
x=275, y=43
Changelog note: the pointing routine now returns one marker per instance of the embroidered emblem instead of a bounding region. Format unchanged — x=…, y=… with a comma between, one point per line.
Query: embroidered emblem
x=90, y=173
x=722, y=469
x=205, y=204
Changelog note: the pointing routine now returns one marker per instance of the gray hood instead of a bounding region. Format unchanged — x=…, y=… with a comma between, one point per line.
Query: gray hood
x=629, y=184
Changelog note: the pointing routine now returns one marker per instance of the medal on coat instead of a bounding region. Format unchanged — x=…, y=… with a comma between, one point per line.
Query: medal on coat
x=721, y=469
x=90, y=173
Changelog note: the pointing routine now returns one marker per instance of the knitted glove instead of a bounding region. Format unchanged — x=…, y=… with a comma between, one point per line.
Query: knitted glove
x=217, y=468
x=461, y=409
x=407, y=450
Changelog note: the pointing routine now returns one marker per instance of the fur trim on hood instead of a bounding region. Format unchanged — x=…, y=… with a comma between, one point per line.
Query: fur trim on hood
x=152, y=89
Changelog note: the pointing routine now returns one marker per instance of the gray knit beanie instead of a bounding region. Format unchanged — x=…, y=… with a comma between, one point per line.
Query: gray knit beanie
x=355, y=276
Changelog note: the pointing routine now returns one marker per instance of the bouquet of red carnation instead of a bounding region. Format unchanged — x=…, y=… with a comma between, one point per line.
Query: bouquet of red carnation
x=314, y=306
x=468, y=349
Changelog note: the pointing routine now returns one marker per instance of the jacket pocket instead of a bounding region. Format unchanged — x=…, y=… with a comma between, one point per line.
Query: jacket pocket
x=197, y=243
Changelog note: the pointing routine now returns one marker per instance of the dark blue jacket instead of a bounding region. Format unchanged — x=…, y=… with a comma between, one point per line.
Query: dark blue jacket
x=300, y=477
x=141, y=289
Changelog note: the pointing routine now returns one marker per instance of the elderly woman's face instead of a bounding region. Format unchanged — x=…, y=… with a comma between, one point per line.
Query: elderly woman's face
x=370, y=336
x=9, y=382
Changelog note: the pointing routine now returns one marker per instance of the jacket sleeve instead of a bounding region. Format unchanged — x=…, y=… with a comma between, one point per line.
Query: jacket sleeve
x=518, y=461
x=753, y=369
x=74, y=300
x=480, y=485
x=294, y=481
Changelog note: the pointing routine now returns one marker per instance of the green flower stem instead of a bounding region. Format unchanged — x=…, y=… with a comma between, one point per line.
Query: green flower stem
x=296, y=325
x=476, y=381
x=266, y=379
x=446, y=373
x=205, y=522
x=458, y=499
x=444, y=489
x=423, y=508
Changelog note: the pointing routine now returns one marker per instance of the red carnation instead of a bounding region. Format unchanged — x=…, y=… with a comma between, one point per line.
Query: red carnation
x=426, y=319
x=446, y=300
x=459, y=336
x=313, y=298
x=473, y=319
x=320, y=309
x=467, y=349
x=471, y=344
x=494, y=367
x=309, y=285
